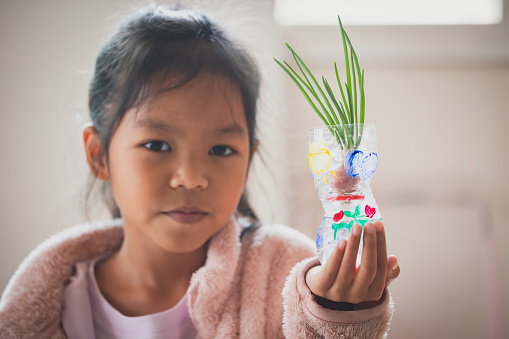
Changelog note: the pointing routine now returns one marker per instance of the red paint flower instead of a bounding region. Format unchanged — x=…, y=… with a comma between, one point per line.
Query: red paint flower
x=370, y=211
x=338, y=216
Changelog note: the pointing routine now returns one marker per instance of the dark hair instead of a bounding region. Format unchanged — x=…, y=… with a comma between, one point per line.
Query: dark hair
x=160, y=49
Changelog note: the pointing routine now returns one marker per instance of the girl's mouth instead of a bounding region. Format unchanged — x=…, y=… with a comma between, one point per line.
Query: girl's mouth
x=187, y=214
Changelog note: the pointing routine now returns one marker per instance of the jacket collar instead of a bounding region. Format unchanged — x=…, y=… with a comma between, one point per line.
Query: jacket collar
x=32, y=301
x=212, y=285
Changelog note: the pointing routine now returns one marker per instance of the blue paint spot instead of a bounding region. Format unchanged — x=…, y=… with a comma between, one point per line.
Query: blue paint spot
x=368, y=166
x=358, y=164
x=319, y=240
x=353, y=163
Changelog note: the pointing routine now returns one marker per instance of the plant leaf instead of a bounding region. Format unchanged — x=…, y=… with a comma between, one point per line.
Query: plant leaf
x=342, y=115
x=354, y=90
x=362, y=109
x=298, y=77
x=309, y=85
x=345, y=49
x=297, y=62
x=348, y=92
x=334, y=113
x=311, y=103
x=342, y=92
x=301, y=62
x=363, y=98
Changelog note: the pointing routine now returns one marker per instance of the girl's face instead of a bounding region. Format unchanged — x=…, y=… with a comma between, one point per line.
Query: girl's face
x=178, y=165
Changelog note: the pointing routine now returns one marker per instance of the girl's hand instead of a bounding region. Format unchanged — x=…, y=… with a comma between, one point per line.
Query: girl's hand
x=340, y=281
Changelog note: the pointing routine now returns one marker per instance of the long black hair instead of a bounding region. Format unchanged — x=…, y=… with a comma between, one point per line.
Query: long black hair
x=160, y=49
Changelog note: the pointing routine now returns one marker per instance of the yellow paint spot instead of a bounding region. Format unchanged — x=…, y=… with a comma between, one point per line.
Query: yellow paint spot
x=334, y=174
x=319, y=157
x=325, y=180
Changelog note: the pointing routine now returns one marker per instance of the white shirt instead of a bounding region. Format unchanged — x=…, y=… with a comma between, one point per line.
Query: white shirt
x=88, y=315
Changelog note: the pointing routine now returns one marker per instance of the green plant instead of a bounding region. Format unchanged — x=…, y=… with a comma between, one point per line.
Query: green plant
x=338, y=115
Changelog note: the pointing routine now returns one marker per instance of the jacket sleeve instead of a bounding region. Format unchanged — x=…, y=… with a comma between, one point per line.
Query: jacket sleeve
x=304, y=318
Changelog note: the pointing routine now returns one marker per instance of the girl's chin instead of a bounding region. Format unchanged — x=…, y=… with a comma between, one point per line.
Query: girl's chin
x=185, y=244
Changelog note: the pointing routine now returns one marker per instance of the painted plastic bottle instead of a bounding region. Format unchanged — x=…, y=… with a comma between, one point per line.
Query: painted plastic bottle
x=342, y=173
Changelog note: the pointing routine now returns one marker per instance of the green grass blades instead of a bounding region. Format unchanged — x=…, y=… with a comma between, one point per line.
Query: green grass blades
x=350, y=109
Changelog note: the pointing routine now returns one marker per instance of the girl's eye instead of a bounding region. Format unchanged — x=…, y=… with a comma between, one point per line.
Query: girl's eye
x=221, y=151
x=158, y=146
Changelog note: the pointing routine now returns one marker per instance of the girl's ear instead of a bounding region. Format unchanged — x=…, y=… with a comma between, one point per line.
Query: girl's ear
x=96, y=158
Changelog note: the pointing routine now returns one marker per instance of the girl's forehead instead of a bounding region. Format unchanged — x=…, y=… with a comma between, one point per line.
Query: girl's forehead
x=204, y=89
x=207, y=102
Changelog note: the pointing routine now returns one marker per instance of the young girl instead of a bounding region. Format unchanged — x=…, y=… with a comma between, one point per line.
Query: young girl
x=173, y=109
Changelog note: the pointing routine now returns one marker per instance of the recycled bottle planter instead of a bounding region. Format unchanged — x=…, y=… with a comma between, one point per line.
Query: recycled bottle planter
x=342, y=161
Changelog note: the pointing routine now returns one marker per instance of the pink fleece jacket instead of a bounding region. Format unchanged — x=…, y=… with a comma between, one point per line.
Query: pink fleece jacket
x=252, y=287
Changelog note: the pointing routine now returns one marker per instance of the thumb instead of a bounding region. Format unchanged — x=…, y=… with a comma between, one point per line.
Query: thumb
x=312, y=277
x=393, y=270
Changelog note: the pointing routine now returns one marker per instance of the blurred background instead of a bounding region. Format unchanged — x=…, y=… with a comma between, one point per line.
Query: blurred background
x=437, y=89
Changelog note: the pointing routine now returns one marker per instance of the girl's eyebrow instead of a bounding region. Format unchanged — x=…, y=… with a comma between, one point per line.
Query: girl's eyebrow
x=231, y=129
x=150, y=123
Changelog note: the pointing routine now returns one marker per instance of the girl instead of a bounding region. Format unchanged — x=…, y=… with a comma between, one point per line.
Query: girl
x=173, y=109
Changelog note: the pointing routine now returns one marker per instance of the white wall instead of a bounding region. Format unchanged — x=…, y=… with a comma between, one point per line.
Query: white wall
x=438, y=96
x=47, y=55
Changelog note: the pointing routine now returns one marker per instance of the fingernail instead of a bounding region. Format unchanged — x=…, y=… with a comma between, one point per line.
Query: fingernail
x=370, y=228
x=395, y=266
x=342, y=244
x=357, y=229
x=379, y=226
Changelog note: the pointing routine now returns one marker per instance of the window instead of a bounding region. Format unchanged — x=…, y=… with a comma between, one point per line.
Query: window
x=387, y=12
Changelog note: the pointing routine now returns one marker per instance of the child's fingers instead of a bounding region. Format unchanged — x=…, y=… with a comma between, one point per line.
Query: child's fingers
x=368, y=268
x=331, y=268
x=378, y=284
x=347, y=269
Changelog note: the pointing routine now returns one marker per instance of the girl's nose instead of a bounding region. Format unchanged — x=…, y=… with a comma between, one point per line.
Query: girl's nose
x=188, y=175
